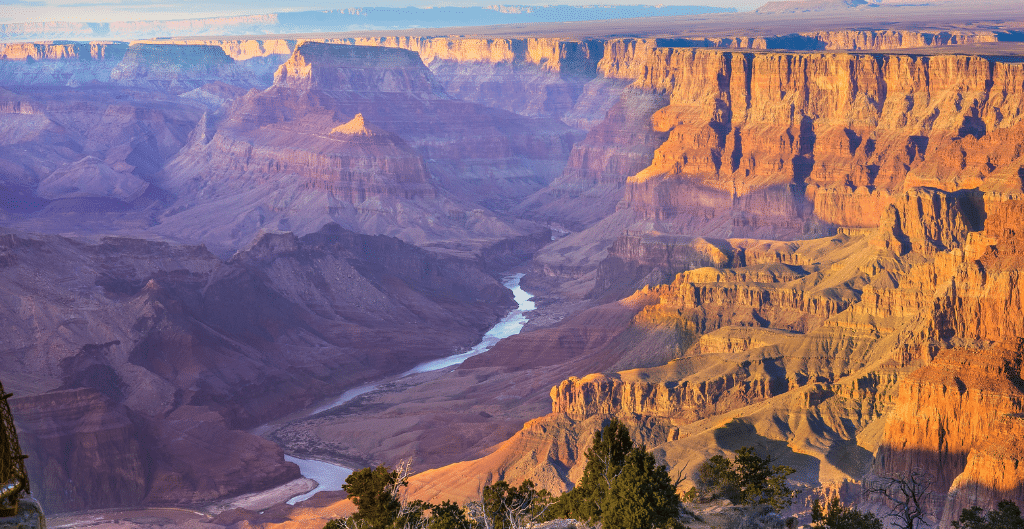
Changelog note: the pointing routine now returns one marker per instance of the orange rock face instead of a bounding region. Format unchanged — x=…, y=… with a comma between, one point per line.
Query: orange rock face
x=849, y=127
x=873, y=352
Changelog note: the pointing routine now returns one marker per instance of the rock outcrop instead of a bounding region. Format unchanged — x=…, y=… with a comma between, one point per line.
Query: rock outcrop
x=179, y=68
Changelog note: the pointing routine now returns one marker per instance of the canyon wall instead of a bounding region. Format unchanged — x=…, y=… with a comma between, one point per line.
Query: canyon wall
x=810, y=237
x=152, y=360
x=385, y=150
x=863, y=355
x=828, y=136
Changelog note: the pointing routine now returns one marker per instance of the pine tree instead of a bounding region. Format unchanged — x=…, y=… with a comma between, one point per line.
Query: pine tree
x=622, y=486
x=371, y=491
x=1006, y=516
x=641, y=496
x=747, y=480
x=448, y=515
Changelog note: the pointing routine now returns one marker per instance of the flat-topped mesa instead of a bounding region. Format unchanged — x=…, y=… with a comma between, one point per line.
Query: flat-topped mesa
x=57, y=50
x=851, y=40
x=358, y=69
x=243, y=49
x=567, y=56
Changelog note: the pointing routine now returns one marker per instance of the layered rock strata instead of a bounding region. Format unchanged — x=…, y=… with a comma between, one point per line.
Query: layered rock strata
x=829, y=135
x=850, y=357
x=364, y=136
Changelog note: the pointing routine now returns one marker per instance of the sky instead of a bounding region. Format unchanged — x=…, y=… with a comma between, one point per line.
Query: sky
x=120, y=10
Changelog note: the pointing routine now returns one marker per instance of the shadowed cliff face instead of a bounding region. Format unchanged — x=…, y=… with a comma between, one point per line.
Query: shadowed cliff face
x=149, y=358
x=366, y=137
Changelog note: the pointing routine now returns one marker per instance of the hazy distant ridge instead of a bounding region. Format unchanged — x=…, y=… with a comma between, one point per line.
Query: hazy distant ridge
x=352, y=19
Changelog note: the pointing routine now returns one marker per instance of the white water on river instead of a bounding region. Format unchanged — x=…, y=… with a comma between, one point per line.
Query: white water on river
x=331, y=477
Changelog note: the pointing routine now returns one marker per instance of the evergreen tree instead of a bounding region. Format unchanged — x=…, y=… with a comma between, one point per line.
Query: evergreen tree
x=448, y=515
x=716, y=478
x=376, y=494
x=747, y=480
x=372, y=491
x=503, y=506
x=641, y=496
x=622, y=486
x=605, y=458
x=1006, y=516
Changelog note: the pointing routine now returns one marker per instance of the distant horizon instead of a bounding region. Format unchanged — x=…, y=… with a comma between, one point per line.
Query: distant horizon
x=35, y=11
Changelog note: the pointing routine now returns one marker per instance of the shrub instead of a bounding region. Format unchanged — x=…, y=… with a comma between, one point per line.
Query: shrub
x=838, y=516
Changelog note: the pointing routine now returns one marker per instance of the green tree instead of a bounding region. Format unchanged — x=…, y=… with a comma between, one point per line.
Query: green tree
x=641, y=496
x=448, y=515
x=372, y=492
x=1006, y=516
x=621, y=485
x=716, y=478
x=605, y=458
x=376, y=493
x=838, y=516
x=747, y=480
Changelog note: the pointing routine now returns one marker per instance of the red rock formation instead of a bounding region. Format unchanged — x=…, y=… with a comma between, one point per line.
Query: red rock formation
x=55, y=51
x=84, y=450
x=793, y=126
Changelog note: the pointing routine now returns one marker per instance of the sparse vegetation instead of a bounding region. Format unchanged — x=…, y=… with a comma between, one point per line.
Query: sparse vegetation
x=1005, y=516
x=623, y=487
x=503, y=506
x=377, y=493
x=747, y=480
x=908, y=496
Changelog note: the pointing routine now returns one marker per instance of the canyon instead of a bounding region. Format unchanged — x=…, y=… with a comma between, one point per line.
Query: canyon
x=803, y=240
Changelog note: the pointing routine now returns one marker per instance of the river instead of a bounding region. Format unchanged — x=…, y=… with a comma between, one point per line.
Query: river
x=331, y=477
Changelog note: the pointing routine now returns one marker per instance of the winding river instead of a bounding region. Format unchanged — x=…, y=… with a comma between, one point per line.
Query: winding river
x=331, y=477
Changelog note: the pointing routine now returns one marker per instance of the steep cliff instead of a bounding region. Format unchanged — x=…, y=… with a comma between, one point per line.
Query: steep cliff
x=179, y=68
x=792, y=126
x=849, y=39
